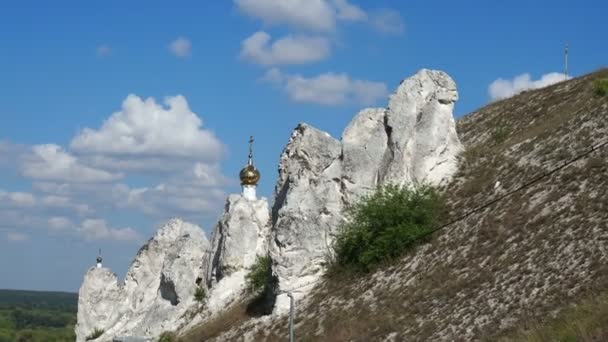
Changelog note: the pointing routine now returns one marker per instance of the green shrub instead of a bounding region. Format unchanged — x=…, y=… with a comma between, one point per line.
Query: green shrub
x=259, y=275
x=500, y=134
x=95, y=334
x=385, y=224
x=200, y=294
x=600, y=87
x=167, y=336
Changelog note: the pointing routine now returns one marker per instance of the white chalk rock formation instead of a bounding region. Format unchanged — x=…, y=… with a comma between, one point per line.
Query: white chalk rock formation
x=240, y=236
x=307, y=207
x=412, y=141
x=157, y=292
x=423, y=141
x=100, y=302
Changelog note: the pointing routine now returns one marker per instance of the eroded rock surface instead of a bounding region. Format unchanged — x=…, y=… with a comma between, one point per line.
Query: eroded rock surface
x=412, y=141
x=158, y=289
x=240, y=236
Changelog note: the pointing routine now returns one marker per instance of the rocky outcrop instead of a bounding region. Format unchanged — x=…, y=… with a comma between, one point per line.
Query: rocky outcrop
x=239, y=237
x=99, y=302
x=412, y=141
x=156, y=293
x=422, y=133
x=307, y=207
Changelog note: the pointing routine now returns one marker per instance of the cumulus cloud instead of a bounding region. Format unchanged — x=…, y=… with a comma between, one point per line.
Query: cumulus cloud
x=181, y=47
x=51, y=162
x=65, y=202
x=98, y=229
x=17, y=199
x=347, y=11
x=502, y=89
x=287, y=50
x=328, y=88
x=16, y=237
x=319, y=15
x=171, y=199
x=60, y=223
x=147, y=128
x=161, y=147
x=314, y=15
x=387, y=21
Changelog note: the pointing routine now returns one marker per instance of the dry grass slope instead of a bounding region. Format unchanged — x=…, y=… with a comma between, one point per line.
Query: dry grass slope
x=526, y=258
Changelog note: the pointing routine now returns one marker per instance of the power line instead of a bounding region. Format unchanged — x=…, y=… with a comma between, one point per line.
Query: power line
x=458, y=219
x=521, y=187
x=492, y=202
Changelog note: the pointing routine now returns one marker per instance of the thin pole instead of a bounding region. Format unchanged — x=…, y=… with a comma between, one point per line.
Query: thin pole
x=291, y=311
x=566, y=64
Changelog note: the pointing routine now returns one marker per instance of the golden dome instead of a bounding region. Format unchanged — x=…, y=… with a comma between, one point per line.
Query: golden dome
x=249, y=174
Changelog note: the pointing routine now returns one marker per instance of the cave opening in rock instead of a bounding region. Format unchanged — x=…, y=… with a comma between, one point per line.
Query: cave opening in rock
x=167, y=290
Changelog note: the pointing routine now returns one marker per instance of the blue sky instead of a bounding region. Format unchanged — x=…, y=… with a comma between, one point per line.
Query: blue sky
x=182, y=85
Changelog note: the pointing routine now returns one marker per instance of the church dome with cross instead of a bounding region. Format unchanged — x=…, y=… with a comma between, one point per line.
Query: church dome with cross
x=249, y=175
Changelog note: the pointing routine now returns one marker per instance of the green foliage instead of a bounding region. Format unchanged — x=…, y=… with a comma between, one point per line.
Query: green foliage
x=600, y=87
x=37, y=316
x=259, y=276
x=40, y=318
x=200, y=294
x=167, y=336
x=500, y=134
x=385, y=224
x=60, y=301
x=585, y=321
x=95, y=334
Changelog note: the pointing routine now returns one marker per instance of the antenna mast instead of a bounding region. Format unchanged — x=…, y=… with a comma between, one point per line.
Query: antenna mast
x=566, y=64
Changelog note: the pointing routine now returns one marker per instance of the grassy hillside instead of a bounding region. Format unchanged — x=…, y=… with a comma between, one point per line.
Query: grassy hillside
x=37, y=316
x=512, y=270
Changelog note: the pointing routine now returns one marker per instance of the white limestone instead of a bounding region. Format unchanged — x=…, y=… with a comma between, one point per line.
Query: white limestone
x=158, y=289
x=307, y=207
x=423, y=140
x=239, y=237
x=413, y=141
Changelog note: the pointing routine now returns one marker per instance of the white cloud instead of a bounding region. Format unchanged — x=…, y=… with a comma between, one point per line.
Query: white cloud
x=319, y=15
x=16, y=237
x=146, y=128
x=104, y=50
x=314, y=15
x=97, y=229
x=65, y=202
x=287, y=50
x=501, y=88
x=17, y=199
x=328, y=88
x=181, y=47
x=171, y=199
x=387, y=21
x=51, y=162
x=59, y=223
x=205, y=175
x=346, y=11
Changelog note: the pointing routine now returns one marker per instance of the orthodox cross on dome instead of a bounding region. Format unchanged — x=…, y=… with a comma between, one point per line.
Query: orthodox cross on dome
x=250, y=162
x=99, y=259
x=249, y=175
